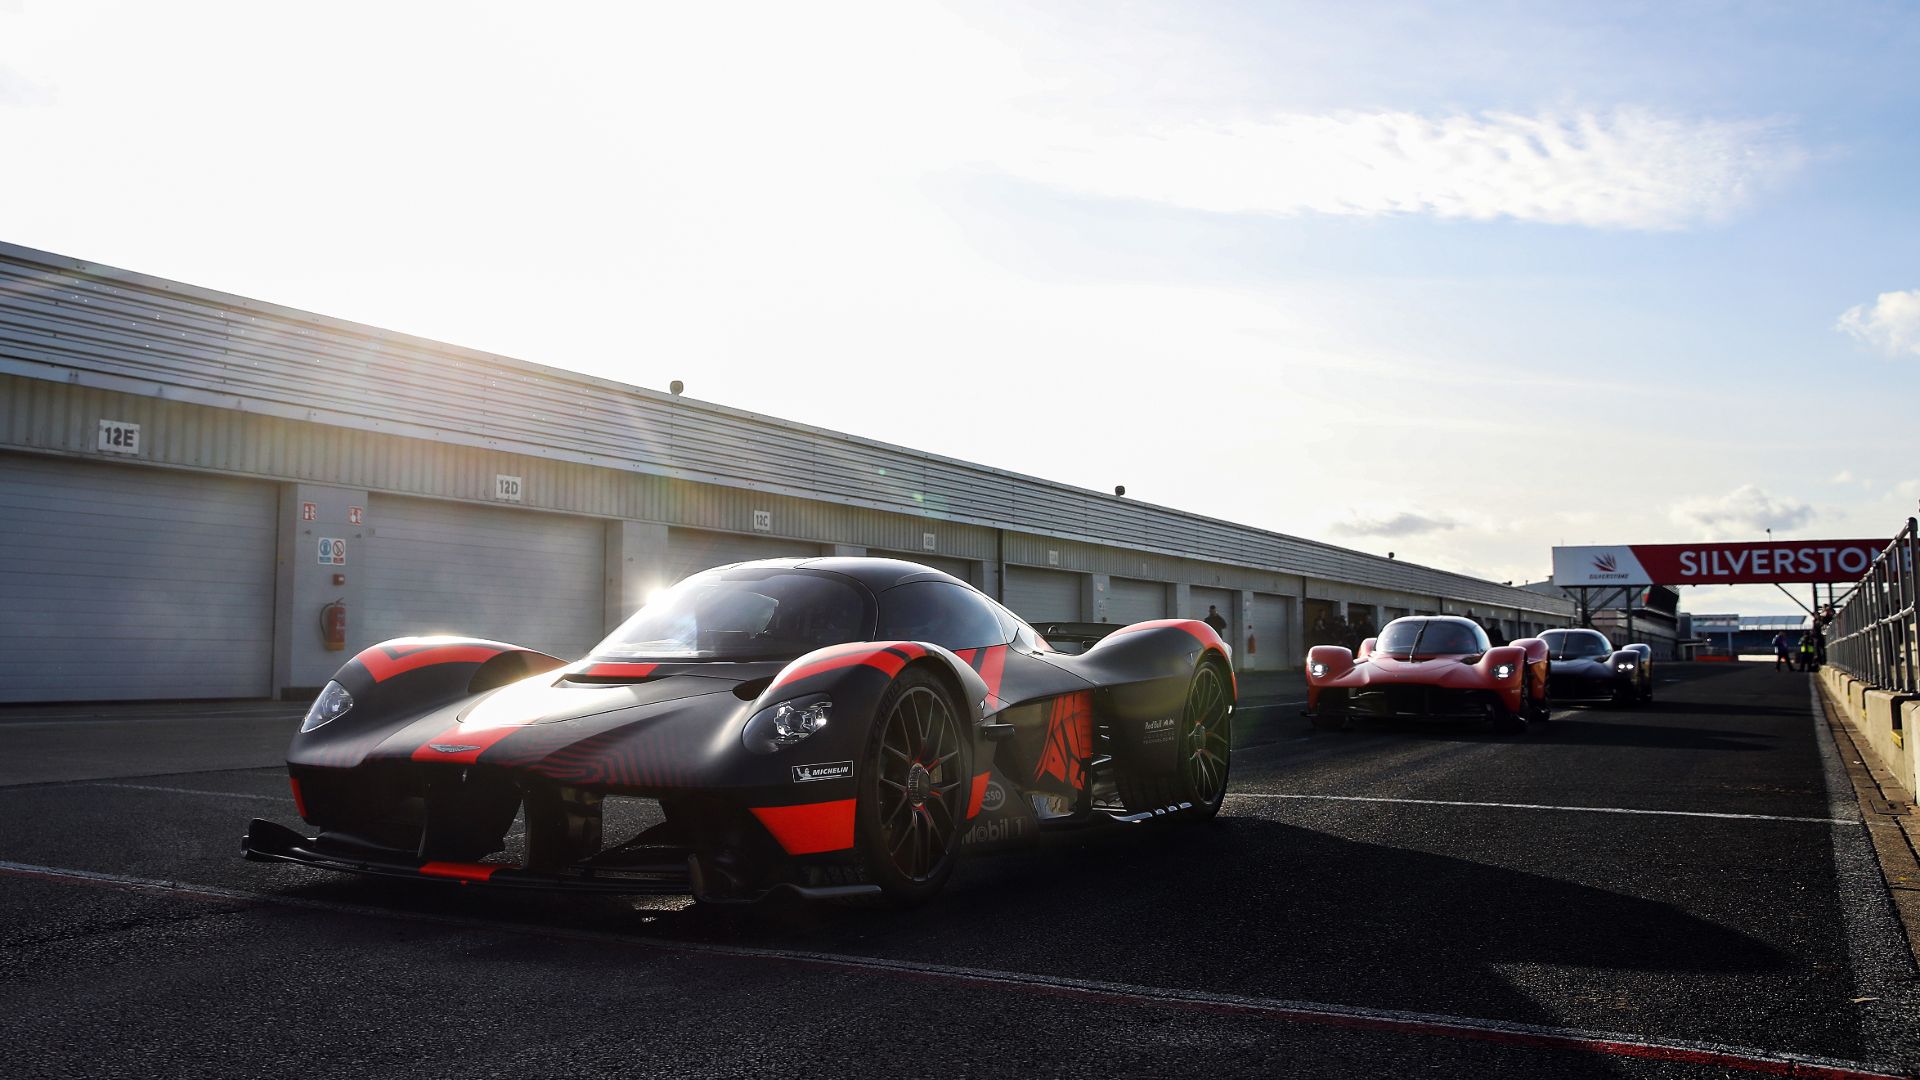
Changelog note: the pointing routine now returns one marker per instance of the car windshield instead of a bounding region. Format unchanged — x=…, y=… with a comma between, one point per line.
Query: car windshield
x=745, y=615
x=1576, y=644
x=1435, y=637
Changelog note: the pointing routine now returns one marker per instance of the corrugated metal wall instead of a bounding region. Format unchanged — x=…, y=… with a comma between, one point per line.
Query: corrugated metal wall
x=76, y=323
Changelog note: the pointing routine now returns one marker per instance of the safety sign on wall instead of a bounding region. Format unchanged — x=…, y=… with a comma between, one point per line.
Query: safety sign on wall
x=333, y=552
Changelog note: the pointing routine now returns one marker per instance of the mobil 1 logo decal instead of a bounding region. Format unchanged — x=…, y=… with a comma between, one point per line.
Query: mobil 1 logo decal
x=832, y=770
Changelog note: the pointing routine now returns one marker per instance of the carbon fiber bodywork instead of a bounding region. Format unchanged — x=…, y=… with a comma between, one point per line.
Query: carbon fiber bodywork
x=450, y=741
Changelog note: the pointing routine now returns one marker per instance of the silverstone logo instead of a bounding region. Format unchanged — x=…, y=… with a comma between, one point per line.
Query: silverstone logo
x=1607, y=567
x=832, y=770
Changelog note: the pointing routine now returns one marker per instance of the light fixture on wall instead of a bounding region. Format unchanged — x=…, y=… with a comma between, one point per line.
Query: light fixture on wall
x=676, y=388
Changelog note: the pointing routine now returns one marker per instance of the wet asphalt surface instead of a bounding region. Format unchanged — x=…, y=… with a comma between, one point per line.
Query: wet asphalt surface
x=1760, y=933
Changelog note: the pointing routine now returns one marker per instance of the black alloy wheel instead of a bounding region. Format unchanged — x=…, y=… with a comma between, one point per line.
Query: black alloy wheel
x=912, y=808
x=1204, y=754
x=1541, y=710
x=1206, y=745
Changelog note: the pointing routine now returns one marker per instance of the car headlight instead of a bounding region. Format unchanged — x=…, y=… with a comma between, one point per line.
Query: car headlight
x=1623, y=666
x=1318, y=669
x=787, y=723
x=331, y=705
x=1503, y=671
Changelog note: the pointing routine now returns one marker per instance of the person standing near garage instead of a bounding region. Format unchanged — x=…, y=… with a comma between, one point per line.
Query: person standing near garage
x=1216, y=620
x=1807, y=652
x=1782, y=657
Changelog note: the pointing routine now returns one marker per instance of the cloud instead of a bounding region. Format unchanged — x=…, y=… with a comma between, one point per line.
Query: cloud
x=1625, y=169
x=1891, y=323
x=1404, y=523
x=1745, y=509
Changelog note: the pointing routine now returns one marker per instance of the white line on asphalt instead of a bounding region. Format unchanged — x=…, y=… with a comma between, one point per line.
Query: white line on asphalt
x=1275, y=705
x=1544, y=806
x=1311, y=1013
x=186, y=791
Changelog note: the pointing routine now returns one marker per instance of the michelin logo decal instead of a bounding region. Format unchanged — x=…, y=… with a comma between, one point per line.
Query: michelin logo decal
x=832, y=770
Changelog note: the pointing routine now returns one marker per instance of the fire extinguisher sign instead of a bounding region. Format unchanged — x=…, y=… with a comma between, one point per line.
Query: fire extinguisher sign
x=333, y=552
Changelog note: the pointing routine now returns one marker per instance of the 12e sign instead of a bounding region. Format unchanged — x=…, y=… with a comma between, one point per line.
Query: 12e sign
x=507, y=488
x=118, y=437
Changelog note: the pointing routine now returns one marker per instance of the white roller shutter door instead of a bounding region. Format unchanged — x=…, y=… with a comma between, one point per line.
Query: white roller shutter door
x=1130, y=601
x=528, y=578
x=123, y=582
x=1201, y=596
x=690, y=551
x=1039, y=596
x=1272, y=618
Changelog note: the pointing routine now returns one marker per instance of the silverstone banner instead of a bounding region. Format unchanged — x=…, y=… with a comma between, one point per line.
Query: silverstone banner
x=1782, y=562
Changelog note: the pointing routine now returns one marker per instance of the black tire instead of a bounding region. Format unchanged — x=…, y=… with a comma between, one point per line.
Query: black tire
x=1540, y=713
x=913, y=776
x=1204, y=754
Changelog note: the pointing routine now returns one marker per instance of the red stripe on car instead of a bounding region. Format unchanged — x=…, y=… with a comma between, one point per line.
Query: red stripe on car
x=619, y=671
x=810, y=828
x=299, y=800
x=978, y=795
x=383, y=662
x=993, y=664
x=888, y=659
x=460, y=745
x=460, y=871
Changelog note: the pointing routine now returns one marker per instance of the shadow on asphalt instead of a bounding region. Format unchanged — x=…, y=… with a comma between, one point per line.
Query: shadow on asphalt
x=1245, y=906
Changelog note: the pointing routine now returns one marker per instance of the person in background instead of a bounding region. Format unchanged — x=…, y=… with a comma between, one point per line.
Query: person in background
x=1216, y=620
x=1807, y=652
x=1782, y=658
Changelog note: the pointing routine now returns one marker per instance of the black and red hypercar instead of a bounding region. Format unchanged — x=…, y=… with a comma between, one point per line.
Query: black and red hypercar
x=835, y=727
x=1438, y=666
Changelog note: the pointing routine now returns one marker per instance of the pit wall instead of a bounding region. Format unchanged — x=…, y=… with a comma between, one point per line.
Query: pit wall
x=1873, y=714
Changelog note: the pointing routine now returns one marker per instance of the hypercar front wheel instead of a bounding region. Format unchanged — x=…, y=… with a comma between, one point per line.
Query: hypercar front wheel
x=911, y=810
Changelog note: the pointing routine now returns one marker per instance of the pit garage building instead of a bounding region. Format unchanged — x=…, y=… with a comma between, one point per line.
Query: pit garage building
x=192, y=484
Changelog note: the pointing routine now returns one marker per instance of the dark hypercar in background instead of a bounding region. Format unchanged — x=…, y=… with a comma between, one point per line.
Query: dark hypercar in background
x=1583, y=666
x=835, y=727
x=1430, y=667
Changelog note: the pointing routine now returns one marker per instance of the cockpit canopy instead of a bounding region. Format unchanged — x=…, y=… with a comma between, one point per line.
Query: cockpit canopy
x=1576, y=644
x=1438, y=635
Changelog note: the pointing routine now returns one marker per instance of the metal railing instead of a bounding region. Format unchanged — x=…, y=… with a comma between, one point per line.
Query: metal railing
x=1872, y=636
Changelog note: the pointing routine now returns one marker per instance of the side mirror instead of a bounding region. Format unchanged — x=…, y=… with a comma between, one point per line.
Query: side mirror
x=1366, y=648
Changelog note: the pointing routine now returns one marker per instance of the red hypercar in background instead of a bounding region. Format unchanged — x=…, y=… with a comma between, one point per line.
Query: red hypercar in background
x=1430, y=666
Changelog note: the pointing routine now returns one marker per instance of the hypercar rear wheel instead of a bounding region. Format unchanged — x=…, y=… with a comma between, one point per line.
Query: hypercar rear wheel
x=1205, y=754
x=911, y=808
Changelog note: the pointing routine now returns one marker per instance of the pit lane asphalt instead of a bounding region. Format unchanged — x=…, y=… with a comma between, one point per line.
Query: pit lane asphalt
x=1760, y=932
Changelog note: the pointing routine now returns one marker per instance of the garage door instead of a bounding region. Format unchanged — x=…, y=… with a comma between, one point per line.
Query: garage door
x=690, y=551
x=1273, y=648
x=1201, y=596
x=1043, y=595
x=1130, y=601
x=124, y=582
x=512, y=575
x=959, y=568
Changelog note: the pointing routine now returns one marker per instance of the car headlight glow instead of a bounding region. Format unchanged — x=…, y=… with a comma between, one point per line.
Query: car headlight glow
x=786, y=723
x=1503, y=671
x=1317, y=668
x=331, y=705
x=1623, y=666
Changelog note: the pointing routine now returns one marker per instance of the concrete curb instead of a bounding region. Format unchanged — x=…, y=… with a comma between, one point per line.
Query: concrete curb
x=1889, y=812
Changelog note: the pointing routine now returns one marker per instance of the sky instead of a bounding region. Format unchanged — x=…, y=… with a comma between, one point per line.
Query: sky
x=1457, y=281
